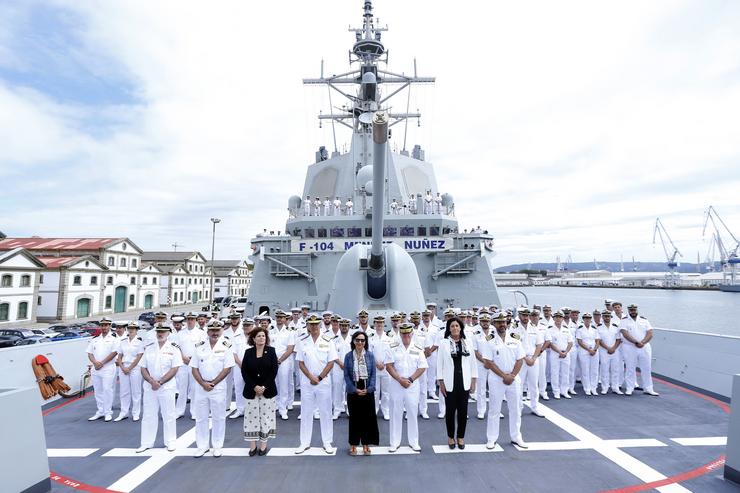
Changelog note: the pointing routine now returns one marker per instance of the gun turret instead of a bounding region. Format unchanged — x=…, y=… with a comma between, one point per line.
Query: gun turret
x=376, y=263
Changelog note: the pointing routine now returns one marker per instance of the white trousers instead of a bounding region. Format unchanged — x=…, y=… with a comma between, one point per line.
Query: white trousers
x=542, y=377
x=423, y=406
x=131, y=392
x=431, y=374
x=241, y=402
x=182, y=378
x=559, y=372
x=529, y=376
x=156, y=401
x=572, y=369
x=409, y=399
x=285, y=385
x=382, y=391
x=610, y=368
x=480, y=389
x=212, y=402
x=229, y=390
x=104, y=386
x=337, y=389
x=589, y=370
x=638, y=358
x=513, y=395
x=316, y=397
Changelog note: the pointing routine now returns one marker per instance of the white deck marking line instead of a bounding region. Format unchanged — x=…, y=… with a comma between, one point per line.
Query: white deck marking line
x=227, y=452
x=154, y=463
x=70, y=452
x=587, y=444
x=699, y=441
x=630, y=464
x=475, y=448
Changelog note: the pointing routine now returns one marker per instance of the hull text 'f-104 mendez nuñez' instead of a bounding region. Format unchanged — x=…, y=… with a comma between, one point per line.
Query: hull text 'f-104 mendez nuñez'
x=371, y=228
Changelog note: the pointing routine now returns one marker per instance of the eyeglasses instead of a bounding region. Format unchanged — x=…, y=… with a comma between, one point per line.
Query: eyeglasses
x=360, y=340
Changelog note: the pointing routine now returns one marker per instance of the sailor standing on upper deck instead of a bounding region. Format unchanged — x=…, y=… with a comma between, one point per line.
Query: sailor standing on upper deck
x=349, y=207
x=636, y=334
x=307, y=206
x=102, y=352
x=337, y=207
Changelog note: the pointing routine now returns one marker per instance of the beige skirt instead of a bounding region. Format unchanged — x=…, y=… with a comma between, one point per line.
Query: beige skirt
x=259, y=419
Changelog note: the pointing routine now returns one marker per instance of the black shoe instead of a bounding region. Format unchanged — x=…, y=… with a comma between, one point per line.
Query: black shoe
x=253, y=452
x=451, y=445
x=461, y=446
x=262, y=452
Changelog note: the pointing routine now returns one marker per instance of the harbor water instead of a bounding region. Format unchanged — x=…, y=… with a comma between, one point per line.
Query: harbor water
x=714, y=312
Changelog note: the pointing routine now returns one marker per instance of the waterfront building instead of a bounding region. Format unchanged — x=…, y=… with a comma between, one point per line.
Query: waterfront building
x=186, y=278
x=231, y=278
x=19, y=276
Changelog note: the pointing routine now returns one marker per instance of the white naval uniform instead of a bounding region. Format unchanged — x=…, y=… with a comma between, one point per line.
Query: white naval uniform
x=130, y=384
x=574, y=369
x=349, y=208
x=239, y=346
x=187, y=339
x=421, y=335
x=406, y=360
x=210, y=361
x=337, y=373
x=542, y=361
x=428, y=200
x=432, y=339
x=610, y=363
x=315, y=356
x=504, y=353
x=104, y=380
x=635, y=357
x=159, y=361
x=379, y=347
x=559, y=367
x=327, y=207
x=307, y=207
x=299, y=329
x=616, y=319
x=589, y=364
x=531, y=337
x=337, y=210
x=228, y=333
x=480, y=338
x=280, y=339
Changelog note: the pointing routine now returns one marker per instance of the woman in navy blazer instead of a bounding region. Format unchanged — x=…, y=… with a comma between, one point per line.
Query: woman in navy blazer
x=359, y=379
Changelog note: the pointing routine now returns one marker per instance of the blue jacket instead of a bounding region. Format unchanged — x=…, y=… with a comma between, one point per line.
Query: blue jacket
x=349, y=372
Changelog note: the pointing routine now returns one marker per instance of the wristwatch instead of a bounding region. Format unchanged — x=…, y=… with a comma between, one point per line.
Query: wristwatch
x=411, y=379
x=320, y=378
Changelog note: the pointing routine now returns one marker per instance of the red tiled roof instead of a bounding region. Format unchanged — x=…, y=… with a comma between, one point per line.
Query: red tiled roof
x=55, y=262
x=57, y=243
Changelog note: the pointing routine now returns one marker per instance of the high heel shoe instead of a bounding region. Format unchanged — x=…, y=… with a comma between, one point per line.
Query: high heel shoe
x=366, y=449
x=253, y=452
x=262, y=451
x=461, y=445
x=451, y=443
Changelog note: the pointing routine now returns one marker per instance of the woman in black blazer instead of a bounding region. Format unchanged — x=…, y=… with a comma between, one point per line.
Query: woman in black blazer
x=259, y=370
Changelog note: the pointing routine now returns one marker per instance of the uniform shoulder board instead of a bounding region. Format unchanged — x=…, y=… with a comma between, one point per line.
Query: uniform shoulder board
x=394, y=344
x=304, y=336
x=477, y=332
x=514, y=335
x=581, y=326
x=139, y=338
x=489, y=337
x=642, y=317
x=327, y=337
x=199, y=343
x=150, y=344
x=418, y=347
x=293, y=328
x=175, y=344
x=624, y=317
x=226, y=342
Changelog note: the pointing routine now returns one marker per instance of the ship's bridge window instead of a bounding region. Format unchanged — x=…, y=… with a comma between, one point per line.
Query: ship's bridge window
x=421, y=231
x=337, y=232
x=433, y=230
x=321, y=232
x=368, y=232
x=407, y=231
x=390, y=231
x=309, y=233
x=354, y=232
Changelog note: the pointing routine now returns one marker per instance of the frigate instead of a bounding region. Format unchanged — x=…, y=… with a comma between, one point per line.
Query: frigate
x=372, y=227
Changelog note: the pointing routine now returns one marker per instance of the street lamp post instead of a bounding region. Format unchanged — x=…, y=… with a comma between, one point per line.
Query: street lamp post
x=213, y=246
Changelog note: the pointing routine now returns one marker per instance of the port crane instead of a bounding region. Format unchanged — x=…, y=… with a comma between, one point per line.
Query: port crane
x=672, y=278
x=729, y=252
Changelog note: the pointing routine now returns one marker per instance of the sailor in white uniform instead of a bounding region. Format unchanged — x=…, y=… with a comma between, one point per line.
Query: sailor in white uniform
x=428, y=202
x=317, y=206
x=102, y=351
x=479, y=340
x=438, y=204
x=349, y=207
x=421, y=334
x=315, y=356
x=282, y=338
x=337, y=373
x=636, y=335
x=182, y=379
x=587, y=337
x=159, y=366
x=574, y=370
x=379, y=343
x=559, y=355
x=131, y=350
x=610, y=353
x=336, y=207
x=239, y=345
x=327, y=207
x=191, y=335
x=307, y=206
x=405, y=363
x=212, y=362
x=532, y=340
x=534, y=319
x=504, y=357
x=235, y=326
x=394, y=207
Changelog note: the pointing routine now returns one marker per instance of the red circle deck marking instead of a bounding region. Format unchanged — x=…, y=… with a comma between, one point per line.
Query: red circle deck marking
x=66, y=403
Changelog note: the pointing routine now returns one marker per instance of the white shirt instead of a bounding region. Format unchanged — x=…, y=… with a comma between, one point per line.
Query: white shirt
x=530, y=337
x=560, y=337
x=406, y=360
x=239, y=344
x=159, y=361
x=588, y=336
x=188, y=338
x=637, y=328
x=316, y=355
x=130, y=349
x=378, y=345
x=210, y=361
x=609, y=335
x=280, y=339
x=101, y=347
x=446, y=367
x=504, y=353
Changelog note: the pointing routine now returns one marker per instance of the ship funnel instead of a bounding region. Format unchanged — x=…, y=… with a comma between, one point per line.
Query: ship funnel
x=380, y=142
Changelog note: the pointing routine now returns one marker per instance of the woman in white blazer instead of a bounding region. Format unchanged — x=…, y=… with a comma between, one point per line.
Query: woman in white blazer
x=457, y=372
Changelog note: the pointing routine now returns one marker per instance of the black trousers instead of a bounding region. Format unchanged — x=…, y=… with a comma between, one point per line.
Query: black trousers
x=363, y=423
x=457, y=410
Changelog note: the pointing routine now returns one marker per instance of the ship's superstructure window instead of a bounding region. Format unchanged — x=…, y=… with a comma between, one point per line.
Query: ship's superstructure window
x=309, y=233
x=354, y=232
x=368, y=231
x=421, y=230
x=390, y=231
x=433, y=230
x=407, y=231
x=337, y=232
x=321, y=232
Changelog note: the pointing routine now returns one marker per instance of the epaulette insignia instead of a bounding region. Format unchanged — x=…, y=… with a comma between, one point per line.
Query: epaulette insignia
x=139, y=338
x=327, y=337
x=489, y=337
x=514, y=335
x=175, y=344
x=226, y=343
x=394, y=344
x=304, y=336
x=418, y=347
x=624, y=317
x=200, y=343
x=150, y=344
x=477, y=332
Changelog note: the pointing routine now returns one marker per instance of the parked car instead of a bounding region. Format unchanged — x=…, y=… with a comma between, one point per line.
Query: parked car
x=68, y=334
x=19, y=333
x=33, y=340
x=147, y=317
x=49, y=333
x=8, y=341
x=91, y=331
x=144, y=325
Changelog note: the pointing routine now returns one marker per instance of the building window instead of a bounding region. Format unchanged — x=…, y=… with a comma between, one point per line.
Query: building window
x=41, y=279
x=144, y=280
x=22, y=310
x=189, y=295
x=131, y=300
x=133, y=280
x=134, y=262
x=190, y=281
x=124, y=246
x=109, y=281
x=77, y=280
x=25, y=281
x=123, y=261
x=38, y=301
x=111, y=261
x=154, y=280
x=108, y=301
x=93, y=280
x=7, y=281
x=4, y=312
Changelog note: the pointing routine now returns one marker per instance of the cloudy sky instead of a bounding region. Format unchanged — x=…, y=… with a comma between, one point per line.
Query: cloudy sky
x=562, y=127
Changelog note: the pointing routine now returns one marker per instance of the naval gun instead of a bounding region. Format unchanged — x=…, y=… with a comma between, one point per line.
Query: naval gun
x=382, y=278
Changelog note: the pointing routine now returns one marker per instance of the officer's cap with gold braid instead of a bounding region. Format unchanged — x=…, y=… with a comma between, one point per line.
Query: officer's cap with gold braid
x=406, y=328
x=362, y=313
x=162, y=327
x=379, y=318
x=499, y=317
x=313, y=319
x=214, y=325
